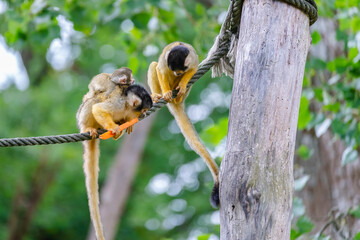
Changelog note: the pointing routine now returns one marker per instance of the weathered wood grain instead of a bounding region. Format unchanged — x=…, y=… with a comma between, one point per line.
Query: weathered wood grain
x=256, y=177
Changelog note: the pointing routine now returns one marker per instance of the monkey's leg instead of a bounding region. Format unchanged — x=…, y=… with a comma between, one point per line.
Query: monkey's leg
x=164, y=85
x=153, y=82
x=192, y=138
x=92, y=131
x=105, y=119
x=182, y=85
x=85, y=119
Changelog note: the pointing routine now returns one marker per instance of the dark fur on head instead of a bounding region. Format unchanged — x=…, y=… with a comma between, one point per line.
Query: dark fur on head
x=176, y=58
x=140, y=91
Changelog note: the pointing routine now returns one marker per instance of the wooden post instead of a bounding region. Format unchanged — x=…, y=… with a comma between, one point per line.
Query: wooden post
x=256, y=178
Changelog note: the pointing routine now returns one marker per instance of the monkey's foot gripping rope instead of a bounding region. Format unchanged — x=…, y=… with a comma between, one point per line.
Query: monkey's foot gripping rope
x=229, y=30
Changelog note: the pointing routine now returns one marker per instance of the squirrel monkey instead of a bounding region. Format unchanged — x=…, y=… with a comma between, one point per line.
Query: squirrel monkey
x=121, y=105
x=177, y=64
x=106, y=83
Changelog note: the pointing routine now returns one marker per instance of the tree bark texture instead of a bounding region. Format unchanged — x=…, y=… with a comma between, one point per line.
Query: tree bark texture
x=119, y=179
x=256, y=177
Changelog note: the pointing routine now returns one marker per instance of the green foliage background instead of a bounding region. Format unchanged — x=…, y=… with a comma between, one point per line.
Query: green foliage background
x=104, y=37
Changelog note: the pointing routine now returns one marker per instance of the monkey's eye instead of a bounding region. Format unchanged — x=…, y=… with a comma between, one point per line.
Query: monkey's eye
x=185, y=68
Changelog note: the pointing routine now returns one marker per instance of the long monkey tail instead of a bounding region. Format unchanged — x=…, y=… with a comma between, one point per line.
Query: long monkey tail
x=192, y=138
x=91, y=170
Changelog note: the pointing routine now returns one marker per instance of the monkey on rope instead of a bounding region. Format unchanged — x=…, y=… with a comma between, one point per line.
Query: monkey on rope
x=115, y=103
x=177, y=64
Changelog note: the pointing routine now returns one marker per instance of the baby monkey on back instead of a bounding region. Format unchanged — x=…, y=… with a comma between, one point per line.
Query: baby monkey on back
x=105, y=83
x=177, y=64
x=111, y=101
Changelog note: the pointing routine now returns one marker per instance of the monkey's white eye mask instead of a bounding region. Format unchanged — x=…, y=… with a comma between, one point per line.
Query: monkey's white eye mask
x=133, y=100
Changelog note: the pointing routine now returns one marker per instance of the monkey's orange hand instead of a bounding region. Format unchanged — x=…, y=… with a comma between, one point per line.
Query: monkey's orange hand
x=122, y=127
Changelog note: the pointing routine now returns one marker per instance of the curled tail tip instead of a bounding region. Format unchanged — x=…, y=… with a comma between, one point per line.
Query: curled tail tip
x=215, y=197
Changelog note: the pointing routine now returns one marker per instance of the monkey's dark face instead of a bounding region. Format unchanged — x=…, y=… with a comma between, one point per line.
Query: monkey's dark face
x=176, y=59
x=140, y=98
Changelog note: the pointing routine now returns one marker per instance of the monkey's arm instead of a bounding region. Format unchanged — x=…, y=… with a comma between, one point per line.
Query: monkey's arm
x=183, y=83
x=103, y=115
x=127, y=125
x=85, y=119
x=164, y=84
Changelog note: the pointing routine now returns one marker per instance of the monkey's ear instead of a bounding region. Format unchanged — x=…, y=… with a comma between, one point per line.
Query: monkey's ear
x=187, y=61
x=121, y=79
x=167, y=55
x=136, y=103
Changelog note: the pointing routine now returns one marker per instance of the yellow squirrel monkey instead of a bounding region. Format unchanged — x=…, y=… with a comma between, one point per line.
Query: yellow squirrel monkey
x=120, y=106
x=177, y=64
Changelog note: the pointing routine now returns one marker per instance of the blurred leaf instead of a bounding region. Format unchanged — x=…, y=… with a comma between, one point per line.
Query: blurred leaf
x=294, y=234
x=353, y=52
x=214, y=134
x=304, y=113
x=304, y=152
x=339, y=65
x=200, y=9
x=141, y=20
x=133, y=64
x=306, y=82
x=319, y=94
x=317, y=64
x=322, y=127
x=349, y=155
x=341, y=35
x=316, y=37
x=357, y=236
x=356, y=212
x=304, y=224
x=204, y=237
x=339, y=127
x=300, y=183
x=332, y=107
x=346, y=4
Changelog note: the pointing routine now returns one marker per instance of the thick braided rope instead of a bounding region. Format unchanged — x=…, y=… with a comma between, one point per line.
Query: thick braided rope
x=45, y=140
x=307, y=6
x=231, y=24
